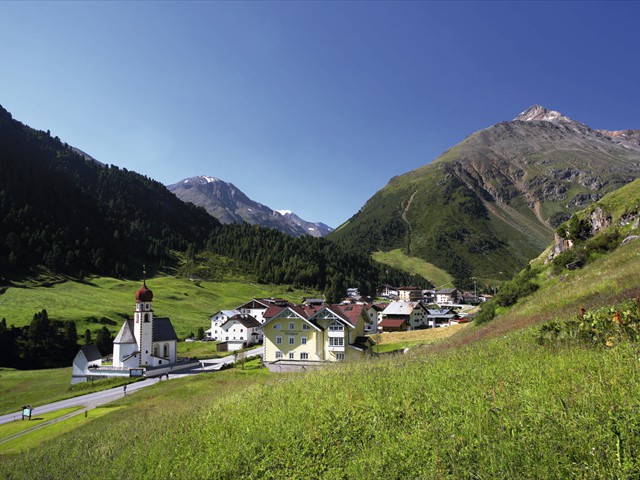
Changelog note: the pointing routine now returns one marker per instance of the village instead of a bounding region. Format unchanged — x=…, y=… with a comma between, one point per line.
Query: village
x=294, y=337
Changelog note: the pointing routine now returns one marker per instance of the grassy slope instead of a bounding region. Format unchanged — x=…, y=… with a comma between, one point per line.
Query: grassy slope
x=413, y=265
x=188, y=304
x=38, y=387
x=497, y=406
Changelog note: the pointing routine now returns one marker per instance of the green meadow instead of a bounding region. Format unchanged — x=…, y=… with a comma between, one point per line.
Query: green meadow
x=413, y=265
x=107, y=301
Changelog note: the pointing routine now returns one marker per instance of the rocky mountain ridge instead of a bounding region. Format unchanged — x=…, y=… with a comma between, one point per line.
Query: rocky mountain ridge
x=224, y=201
x=489, y=204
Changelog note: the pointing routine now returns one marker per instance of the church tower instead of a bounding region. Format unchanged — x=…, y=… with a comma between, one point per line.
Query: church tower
x=143, y=324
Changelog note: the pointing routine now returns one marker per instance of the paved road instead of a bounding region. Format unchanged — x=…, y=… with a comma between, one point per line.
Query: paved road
x=92, y=400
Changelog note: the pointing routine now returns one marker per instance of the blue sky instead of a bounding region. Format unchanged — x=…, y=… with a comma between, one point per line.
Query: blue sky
x=307, y=106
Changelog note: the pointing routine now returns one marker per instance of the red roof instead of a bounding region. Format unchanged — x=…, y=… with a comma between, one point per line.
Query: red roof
x=352, y=312
x=392, y=322
x=271, y=312
x=144, y=294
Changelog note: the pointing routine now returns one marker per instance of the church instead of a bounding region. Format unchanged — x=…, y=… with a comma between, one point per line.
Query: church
x=145, y=346
x=145, y=341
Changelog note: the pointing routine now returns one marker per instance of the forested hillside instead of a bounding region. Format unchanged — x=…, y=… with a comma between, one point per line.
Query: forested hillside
x=68, y=214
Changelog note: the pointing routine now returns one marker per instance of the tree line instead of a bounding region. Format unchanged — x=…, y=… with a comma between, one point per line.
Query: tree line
x=46, y=343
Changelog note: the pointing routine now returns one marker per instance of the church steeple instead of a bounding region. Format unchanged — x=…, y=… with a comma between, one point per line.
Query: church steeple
x=143, y=318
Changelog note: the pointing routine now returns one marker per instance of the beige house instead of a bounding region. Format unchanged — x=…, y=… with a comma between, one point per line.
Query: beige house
x=298, y=338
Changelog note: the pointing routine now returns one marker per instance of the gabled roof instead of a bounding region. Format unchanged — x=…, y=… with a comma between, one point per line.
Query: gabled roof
x=163, y=330
x=91, y=353
x=353, y=312
x=392, y=322
x=227, y=313
x=255, y=303
x=272, y=311
x=298, y=311
x=399, y=308
x=125, y=335
x=245, y=320
x=447, y=291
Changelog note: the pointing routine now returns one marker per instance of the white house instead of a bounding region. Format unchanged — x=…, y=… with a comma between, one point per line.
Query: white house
x=414, y=313
x=215, y=332
x=448, y=296
x=145, y=341
x=240, y=331
x=257, y=307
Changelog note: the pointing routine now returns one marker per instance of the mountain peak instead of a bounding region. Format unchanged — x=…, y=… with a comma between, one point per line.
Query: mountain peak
x=202, y=179
x=541, y=114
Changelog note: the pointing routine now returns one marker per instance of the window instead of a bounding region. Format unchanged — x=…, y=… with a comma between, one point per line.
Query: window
x=305, y=326
x=303, y=340
x=292, y=355
x=278, y=354
x=146, y=318
x=276, y=326
x=336, y=342
x=339, y=356
x=278, y=340
x=336, y=327
x=304, y=356
x=166, y=350
x=292, y=340
x=292, y=326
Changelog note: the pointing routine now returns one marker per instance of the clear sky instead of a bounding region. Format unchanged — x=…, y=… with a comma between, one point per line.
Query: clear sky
x=308, y=106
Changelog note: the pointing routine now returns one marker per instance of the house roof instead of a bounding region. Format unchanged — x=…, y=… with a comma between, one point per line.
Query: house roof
x=163, y=330
x=352, y=312
x=447, y=291
x=392, y=322
x=297, y=310
x=227, y=313
x=125, y=335
x=399, y=308
x=245, y=320
x=272, y=311
x=91, y=353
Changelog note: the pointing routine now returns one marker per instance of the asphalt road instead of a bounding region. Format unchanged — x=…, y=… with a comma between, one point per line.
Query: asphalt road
x=92, y=400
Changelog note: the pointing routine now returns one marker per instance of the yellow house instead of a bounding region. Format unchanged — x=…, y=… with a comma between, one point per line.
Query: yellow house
x=297, y=338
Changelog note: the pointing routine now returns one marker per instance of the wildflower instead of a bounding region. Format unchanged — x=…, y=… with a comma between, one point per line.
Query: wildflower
x=617, y=317
x=609, y=342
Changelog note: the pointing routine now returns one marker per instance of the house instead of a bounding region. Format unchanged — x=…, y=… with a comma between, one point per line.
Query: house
x=394, y=325
x=353, y=293
x=413, y=313
x=441, y=317
x=373, y=311
x=448, y=296
x=145, y=341
x=215, y=332
x=298, y=338
x=410, y=294
x=87, y=358
x=386, y=291
x=257, y=307
x=240, y=331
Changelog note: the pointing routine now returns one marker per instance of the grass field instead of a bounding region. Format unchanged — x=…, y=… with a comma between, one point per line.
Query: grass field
x=188, y=304
x=38, y=387
x=413, y=265
x=391, y=341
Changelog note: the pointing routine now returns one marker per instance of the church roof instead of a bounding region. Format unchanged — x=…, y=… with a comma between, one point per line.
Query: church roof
x=144, y=294
x=91, y=353
x=163, y=330
x=125, y=335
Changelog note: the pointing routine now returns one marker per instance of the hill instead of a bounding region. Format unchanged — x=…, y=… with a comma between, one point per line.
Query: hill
x=488, y=205
x=227, y=203
x=505, y=399
x=64, y=213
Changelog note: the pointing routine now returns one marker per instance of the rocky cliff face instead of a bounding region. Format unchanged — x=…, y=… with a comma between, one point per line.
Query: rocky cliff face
x=227, y=203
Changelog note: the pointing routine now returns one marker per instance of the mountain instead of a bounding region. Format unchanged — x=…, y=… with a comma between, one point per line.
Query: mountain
x=63, y=213
x=488, y=205
x=228, y=204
